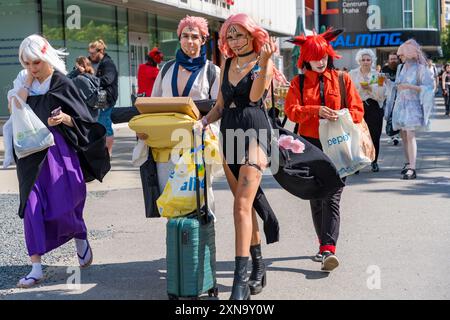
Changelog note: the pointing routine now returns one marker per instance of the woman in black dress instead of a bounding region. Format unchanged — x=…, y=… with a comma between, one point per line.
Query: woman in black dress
x=245, y=135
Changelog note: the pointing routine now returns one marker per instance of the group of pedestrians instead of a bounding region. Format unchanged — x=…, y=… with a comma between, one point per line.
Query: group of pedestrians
x=240, y=86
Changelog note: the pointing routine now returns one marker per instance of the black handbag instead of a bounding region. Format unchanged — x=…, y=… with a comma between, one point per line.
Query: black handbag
x=389, y=129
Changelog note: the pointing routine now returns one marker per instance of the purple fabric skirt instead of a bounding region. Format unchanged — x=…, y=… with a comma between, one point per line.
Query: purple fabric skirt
x=54, y=210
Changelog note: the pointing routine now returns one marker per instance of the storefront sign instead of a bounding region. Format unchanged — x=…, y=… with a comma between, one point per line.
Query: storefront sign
x=362, y=26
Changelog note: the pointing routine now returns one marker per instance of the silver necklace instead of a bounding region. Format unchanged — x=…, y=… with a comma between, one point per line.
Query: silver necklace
x=239, y=68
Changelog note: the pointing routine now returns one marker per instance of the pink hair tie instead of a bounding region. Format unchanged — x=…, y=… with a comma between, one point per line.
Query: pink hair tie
x=44, y=48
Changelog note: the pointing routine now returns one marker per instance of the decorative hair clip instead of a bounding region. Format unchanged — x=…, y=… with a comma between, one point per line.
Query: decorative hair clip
x=44, y=48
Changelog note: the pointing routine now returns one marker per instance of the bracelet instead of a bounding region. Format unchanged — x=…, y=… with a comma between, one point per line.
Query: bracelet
x=27, y=88
x=204, y=121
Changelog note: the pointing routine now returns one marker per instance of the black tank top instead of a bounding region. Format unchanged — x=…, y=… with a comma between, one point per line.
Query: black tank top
x=239, y=94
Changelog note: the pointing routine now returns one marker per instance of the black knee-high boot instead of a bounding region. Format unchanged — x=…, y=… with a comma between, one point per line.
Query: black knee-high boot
x=240, y=290
x=257, y=279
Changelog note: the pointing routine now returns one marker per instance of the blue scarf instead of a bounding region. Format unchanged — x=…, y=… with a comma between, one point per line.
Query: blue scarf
x=193, y=65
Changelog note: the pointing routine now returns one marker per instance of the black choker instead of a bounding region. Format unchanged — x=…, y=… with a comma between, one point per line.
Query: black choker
x=245, y=54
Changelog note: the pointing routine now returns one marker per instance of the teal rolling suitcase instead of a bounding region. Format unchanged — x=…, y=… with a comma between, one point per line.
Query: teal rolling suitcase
x=191, y=251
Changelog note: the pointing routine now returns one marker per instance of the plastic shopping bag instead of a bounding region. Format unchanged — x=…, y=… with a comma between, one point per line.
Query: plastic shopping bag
x=179, y=195
x=30, y=135
x=342, y=142
x=140, y=153
x=8, y=141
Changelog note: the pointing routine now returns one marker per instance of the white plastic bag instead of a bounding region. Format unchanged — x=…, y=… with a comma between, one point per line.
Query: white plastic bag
x=340, y=141
x=30, y=135
x=8, y=141
x=140, y=153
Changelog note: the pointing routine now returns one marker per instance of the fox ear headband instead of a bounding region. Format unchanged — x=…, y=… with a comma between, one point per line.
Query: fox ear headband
x=329, y=36
x=316, y=46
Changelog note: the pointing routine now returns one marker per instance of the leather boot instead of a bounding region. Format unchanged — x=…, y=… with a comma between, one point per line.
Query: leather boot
x=257, y=279
x=240, y=290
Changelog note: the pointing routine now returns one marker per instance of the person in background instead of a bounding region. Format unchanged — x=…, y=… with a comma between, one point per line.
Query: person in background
x=371, y=88
x=109, y=81
x=83, y=75
x=390, y=70
x=432, y=67
x=410, y=101
x=446, y=87
x=148, y=72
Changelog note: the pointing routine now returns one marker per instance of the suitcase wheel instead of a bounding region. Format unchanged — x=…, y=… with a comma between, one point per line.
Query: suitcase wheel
x=213, y=292
x=172, y=297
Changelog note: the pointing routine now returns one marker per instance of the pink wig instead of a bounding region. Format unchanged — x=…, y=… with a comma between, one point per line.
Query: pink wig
x=260, y=35
x=194, y=22
x=412, y=51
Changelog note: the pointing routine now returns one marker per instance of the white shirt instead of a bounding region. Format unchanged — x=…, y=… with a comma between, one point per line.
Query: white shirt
x=200, y=88
x=377, y=93
x=36, y=87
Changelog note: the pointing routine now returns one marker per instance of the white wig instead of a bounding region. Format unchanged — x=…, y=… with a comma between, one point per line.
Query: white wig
x=35, y=47
x=366, y=52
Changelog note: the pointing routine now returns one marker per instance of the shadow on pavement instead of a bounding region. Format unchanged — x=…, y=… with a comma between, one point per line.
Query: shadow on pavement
x=134, y=280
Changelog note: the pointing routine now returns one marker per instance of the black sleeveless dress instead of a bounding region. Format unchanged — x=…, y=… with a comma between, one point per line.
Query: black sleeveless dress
x=242, y=121
x=240, y=113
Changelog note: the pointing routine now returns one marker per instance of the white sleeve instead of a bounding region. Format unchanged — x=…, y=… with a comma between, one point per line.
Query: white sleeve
x=18, y=83
x=157, y=87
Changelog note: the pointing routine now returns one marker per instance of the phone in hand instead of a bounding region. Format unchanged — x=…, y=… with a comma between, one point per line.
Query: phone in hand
x=56, y=112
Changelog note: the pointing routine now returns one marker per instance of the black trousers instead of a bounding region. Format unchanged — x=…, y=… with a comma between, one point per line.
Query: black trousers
x=373, y=115
x=447, y=99
x=326, y=214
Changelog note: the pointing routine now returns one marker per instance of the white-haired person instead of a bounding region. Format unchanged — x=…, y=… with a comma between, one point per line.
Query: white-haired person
x=411, y=101
x=52, y=182
x=371, y=88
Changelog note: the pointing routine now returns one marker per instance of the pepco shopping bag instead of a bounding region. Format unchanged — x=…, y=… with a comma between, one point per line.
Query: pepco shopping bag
x=342, y=142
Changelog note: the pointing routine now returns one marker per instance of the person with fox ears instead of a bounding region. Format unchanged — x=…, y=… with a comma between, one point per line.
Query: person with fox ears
x=320, y=99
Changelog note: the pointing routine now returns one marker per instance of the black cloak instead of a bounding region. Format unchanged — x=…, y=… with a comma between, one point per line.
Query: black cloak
x=86, y=137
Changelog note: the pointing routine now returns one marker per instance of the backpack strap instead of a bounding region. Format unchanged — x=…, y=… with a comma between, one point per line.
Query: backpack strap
x=211, y=74
x=166, y=67
x=343, y=90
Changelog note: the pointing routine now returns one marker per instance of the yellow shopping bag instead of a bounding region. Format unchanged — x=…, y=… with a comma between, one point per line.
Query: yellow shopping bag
x=179, y=195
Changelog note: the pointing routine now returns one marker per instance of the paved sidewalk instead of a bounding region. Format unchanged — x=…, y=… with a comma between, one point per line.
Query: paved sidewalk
x=391, y=228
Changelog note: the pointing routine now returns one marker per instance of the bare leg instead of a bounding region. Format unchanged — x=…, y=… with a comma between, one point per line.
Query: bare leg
x=404, y=136
x=412, y=148
x=232, y=182
x=109, y=144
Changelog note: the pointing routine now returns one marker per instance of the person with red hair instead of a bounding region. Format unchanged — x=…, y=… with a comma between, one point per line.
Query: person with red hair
x=315, y=95
x=246, y=76
x=148, y=72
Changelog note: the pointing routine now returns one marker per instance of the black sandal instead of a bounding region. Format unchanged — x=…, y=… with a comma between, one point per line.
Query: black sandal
x=405, y=168
x=409, y=176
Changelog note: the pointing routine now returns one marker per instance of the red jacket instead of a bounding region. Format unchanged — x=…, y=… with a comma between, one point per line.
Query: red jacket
x=307, y=115
x=146, y=78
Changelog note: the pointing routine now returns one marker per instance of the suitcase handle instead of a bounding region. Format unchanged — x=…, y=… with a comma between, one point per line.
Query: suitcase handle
x=201, y=149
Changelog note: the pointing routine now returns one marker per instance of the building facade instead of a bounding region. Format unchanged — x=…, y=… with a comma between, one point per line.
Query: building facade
x=130, y=29
x=382, y=25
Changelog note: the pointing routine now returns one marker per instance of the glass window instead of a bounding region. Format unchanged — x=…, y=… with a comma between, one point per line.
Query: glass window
x=309, y=14
x=433, y=10
x=408, y=20
x=22, y=19
x=391, y=13
x=407, y=4
x=167, y=37
x=420, y=14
